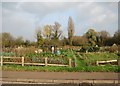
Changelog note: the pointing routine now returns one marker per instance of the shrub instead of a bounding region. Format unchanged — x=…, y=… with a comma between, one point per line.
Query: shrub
x=89, y=49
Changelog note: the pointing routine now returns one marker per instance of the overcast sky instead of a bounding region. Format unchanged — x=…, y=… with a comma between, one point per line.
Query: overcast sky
x=22, y=18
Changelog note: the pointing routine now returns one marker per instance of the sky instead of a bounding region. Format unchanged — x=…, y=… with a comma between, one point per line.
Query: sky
x=22, y=18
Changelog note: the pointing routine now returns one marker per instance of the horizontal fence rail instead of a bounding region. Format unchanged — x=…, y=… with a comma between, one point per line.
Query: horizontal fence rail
x=23, y=63
x=105, y=62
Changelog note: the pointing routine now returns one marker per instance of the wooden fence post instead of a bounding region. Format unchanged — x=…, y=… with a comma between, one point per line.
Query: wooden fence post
x=1, y=60
x=22, y=61
x=46, y=61
x=70, y=63
x=97, y=63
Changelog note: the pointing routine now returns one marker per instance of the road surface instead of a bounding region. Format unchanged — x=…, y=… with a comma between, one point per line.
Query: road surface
x=60, y=77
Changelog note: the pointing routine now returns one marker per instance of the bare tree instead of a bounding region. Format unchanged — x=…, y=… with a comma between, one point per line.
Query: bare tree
x=70, y=30
x=104, y=35
x=56, y=32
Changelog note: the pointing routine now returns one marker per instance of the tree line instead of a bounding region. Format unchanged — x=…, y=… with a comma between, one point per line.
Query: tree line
x=52, y=35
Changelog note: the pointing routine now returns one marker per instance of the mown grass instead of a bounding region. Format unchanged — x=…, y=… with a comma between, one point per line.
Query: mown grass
x=107, y=68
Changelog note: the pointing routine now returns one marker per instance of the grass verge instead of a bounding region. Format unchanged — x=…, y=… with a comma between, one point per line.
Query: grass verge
x=107, y=68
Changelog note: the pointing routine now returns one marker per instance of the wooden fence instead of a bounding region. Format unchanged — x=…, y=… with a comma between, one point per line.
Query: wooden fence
x=23, y=63
x=106, y=62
